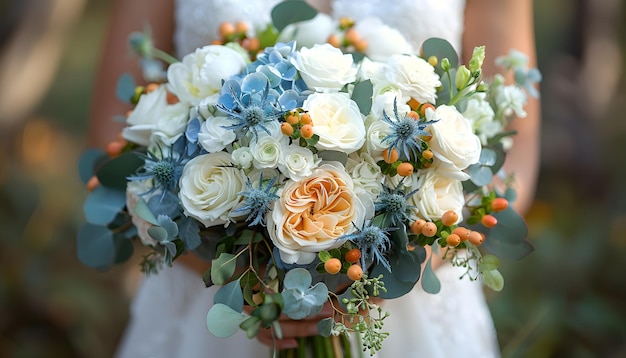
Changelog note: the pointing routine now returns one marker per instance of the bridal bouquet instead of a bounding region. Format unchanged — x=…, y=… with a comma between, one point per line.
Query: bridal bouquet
x=312, y=175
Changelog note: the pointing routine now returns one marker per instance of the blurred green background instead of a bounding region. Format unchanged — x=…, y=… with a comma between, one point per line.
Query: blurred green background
x=567, y=299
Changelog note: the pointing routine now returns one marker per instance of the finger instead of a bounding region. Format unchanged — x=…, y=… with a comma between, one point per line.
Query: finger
x=265, y=337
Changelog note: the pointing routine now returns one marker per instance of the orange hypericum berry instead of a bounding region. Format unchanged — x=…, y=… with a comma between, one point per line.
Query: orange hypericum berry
x=241, y=27
x=449, y=218
x=417, y=226
x=433, y=60
x=360, y=45
x=114, y=149
x=355, y=272
x=489, y=220
x=305, y=118
x=306, y=131
x=226, y=29
x=413, y=103
x=171, y=98
x=424, y=107
x=286, y=128
x=427, y=154
x=334, y=40
x=251, y=44
x=332, y=266
x=405, y=169
x=413, y=115
x=351, y=36
x=353, y=256
x=429, y=229
x=93, y=183
x=292, y=119
x=453, y=240
x=151, y=87
x=499, y=204
x=390, y=157
x=217, y=42
x=462, y=232
x=475, y=238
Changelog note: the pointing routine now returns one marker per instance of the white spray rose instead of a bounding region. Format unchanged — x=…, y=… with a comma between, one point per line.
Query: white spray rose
x=453, y=141
x=242, y=157
x=200, y=74
x=337, y=121
x=382, y=40
x=436, y=195
x=210, y=187
x=377, y=130
x=266, y=152
x=324, y=67
x=413, y=76
x=366, y=175
x=297, y=162
x=153, y=116
x=213, y=137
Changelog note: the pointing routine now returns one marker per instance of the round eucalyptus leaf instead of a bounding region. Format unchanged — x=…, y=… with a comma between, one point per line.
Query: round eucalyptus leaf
x=222, y=321
x=103, y=204
x=87, y=163
x=494, y=280
x=430, y=282
x=298, y=278
x=95, y=246
x=230, y=295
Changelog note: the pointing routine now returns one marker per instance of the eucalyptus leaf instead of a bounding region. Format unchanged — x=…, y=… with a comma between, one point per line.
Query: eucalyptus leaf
x=325, y=327
x=508, y=238
x=362, y=95
x=223, y=268
x=189, y=232
x=291, y=11
x=144, y=212
x=480, y=175
x=298, y=278
x=95, y=246
x=333, y=156
x=430, y=282
x=123, y=248
x=103, y=204
x=230, y=295
x=494, y=280
x=440, y=48
x=488, y=263
x=125, y=88
x=114, y=173
x=88, y=162
x=158, y=233
x=222, y=321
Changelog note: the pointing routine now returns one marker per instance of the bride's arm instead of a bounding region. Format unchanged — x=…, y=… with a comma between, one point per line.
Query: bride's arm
x=116, y=58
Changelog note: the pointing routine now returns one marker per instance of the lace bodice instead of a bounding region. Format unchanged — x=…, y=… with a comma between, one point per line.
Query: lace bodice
x=197, y=21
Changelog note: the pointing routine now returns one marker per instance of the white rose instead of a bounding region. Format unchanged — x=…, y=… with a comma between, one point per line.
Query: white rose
x=297, y=162
x=377, y=130
x=242, y=157
x=324, y=67
x=453, y=140
x=313, y=214
x=337, y=121
x=200, y=74
x=308, y=33
x=436, y=195
x=266, y=152
x=413, y=76
x=384, y=99
x=366, y=175
x=382, y=40
x=213, y=137
x=153, y=116
x=210, y=187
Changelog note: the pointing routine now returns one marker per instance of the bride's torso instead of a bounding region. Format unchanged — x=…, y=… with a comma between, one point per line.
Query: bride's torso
x=197, y=21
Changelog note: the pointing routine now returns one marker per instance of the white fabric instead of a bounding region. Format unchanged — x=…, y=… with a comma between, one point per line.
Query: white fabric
x=169, y=312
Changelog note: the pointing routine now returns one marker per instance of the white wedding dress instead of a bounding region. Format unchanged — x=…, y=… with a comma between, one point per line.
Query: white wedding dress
x=168, y=314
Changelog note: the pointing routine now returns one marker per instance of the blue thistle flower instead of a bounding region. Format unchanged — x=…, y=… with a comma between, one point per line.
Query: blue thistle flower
x=252, y=105
x=257, y=200
x=394, y=204
x=405, y=134
x=373, y=243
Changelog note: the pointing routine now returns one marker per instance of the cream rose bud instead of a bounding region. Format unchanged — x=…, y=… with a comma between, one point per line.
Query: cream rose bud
x=297, y=162
x=414, y=76
x=210, y=187
x=313, y=214
x=154, y=116
x=436, y=195
x=337, y=121
x=200, y=74
x=308, y=33
x=324, y=68
x=242, y=157
x=382, y=40
x=213, y=137
x=453, y=139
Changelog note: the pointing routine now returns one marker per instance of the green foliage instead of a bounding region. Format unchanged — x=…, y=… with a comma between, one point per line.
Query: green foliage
x=291, y=11
x=333, y=156
x=103, y=204
x=230, y=295
x=88, y=162
x=300, y=299
x=508, y=238
x=114, y=173
x=95, y=246
x=362, y=95
x=494, y=280
x=430, y=282
x=222, y=321
x=125, y=88
x=223, y=268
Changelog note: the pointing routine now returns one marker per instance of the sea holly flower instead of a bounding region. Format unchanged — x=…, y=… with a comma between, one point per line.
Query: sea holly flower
x=406, y=134
x=257, y=200
x=251, y=104
x=393, y=202
x=373, y=242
